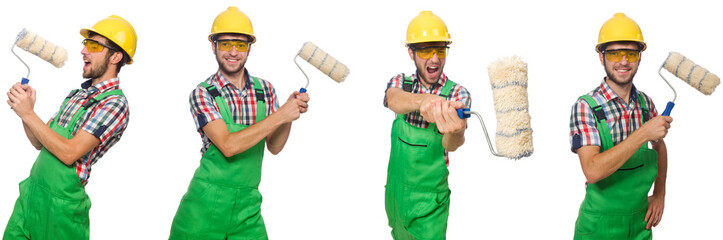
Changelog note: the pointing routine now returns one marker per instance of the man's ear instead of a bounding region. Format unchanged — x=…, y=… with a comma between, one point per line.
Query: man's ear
x=116, y=58
x=411, y=53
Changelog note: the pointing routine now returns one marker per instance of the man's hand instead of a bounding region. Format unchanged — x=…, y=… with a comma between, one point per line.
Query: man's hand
x=445, y=115
x=303, y=102
x=21, y=98
x=656, y=128
x=427, y=107
x=291, y=110
x=656, y=204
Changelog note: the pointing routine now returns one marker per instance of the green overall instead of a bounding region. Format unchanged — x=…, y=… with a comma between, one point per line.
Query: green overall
x=223, y=200
x=52, y=202
x=615, y=207
x=417, y=194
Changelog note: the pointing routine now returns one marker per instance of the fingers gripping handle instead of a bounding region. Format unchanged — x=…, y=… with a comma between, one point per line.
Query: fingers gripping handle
x=668, y=108
x=463, y=113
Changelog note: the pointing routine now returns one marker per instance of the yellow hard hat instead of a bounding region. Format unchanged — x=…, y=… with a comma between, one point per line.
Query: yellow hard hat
x=427, y=27
x=117, y=30
x=232, y=21
x=620, y=28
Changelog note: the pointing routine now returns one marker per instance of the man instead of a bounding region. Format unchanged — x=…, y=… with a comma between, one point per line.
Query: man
x=235, y=113
x=53, y=203
x=425, y=129
x=610, y=128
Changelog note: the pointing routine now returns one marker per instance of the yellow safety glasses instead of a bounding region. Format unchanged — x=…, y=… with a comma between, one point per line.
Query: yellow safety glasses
x=228, y=44
x=617, y=55
x=428, y=52
x=95, y=46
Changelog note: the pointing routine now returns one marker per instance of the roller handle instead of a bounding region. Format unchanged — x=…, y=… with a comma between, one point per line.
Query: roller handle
x=668, y=108
x=302, y=90
x=23, y=82
x=463, y=113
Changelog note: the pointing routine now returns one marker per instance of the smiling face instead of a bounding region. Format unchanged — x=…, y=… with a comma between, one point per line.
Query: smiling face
x=96, y=63
x=231, y=62
x=622, y=72
x=429, y=70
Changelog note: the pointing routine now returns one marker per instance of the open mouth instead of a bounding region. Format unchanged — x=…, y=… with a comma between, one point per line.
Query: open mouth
x=432, y=70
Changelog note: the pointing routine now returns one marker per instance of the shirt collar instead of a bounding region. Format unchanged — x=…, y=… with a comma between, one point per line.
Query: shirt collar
x=440, y=83
x=104, y=86
x=222, y=81
x=610, y=95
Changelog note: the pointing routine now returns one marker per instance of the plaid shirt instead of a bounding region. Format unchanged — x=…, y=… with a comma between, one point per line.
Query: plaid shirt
x=623, y=119
x=241, y=103
x=457, y=93
x=106, y=120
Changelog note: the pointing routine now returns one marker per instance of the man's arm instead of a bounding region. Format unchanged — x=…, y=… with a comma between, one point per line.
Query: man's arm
x=237, y=142
x=31, y=137
x=598, y=165
x=656, y=202
x=22, y=99
x=277, y=140
x=402, y=102
x=449, y=124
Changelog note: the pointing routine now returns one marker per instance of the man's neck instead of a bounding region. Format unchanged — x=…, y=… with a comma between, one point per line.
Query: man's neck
x=623, y=91
x=236, y=79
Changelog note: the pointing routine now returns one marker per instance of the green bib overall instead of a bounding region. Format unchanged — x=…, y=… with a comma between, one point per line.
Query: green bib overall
x=223, y=200
x=615, y=207
x=52, y=202
x=417, y=194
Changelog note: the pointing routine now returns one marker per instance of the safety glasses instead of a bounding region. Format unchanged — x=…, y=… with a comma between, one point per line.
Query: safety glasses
x=616, y=55
x=428, y=52
x=228, y=44
x=95, y=46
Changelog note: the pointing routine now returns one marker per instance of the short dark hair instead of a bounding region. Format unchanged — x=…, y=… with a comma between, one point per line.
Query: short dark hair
x=602, y=47
x=113, y=49
x=217, y=35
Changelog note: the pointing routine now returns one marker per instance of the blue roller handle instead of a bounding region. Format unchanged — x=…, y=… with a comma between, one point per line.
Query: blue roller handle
x=668, y=108
x=302, y=90
x=23, y=82
x=461, y=113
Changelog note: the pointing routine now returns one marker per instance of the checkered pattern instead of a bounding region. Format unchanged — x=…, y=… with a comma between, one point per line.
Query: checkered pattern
x=457, y=93
x=623, y=119
x=241, y=102
x=106, y=120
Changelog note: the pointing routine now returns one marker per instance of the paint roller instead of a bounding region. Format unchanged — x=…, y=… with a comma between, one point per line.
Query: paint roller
x=508, y=77
x=42, y=48
x=336, y=70
x=685, y=69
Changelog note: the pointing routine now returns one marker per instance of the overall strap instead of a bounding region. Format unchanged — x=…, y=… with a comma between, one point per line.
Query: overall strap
x=602, y=125
x=644, y=107
x=260, y=100
x=447, y=88
x=88, y=104
x=407, y=86
x=67, y=98
x=220, y=103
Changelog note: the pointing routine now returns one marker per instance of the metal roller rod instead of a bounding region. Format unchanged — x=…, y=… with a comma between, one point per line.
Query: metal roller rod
x=302, y=71
x=660, y=72
x=489, y=142
x=12, y=49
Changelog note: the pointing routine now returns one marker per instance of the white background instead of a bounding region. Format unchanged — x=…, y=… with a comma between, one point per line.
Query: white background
x=328, y=183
